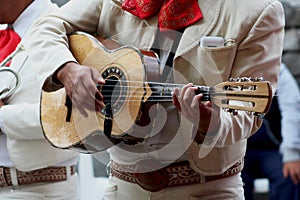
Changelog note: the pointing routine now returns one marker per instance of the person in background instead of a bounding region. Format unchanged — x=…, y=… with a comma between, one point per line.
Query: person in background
x=196, y=149
x=274, y=151
x=30, y=168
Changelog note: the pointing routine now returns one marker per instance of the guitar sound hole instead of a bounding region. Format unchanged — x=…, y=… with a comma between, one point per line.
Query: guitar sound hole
x=114, y=90
x=111, y=90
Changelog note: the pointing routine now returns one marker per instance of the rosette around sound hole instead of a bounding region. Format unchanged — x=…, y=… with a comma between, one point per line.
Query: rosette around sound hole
x=114, y=90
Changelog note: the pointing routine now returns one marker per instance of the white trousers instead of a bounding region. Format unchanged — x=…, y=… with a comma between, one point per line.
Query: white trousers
x=230, y=188
x=62, y=190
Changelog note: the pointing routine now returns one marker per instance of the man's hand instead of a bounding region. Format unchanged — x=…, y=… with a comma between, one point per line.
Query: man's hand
x=80, y=83
x=203, y=114
x=1, y=103
x=292, y=169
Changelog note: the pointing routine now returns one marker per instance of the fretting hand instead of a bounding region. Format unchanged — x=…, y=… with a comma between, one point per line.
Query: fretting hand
x=203, y=114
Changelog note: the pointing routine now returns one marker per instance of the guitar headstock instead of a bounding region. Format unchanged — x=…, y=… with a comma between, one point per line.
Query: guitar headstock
x=247, y=94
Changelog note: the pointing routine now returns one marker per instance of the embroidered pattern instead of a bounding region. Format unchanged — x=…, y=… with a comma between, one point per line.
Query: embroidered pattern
x=172, y=14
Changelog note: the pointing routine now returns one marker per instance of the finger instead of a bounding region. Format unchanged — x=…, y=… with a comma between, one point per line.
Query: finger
x=180, y=95
x=98, y=80
x=293, y=173
x=94, y=99
x=83, y=97
x=96, y=76
x=208, y=103
x=296, y=177
x=196, y=101
x=295, y=180
x=186, y=102
x=99, y=102
x=76, y=104
x=285, y=171
x=175, y=95
x=184, y=88
x=194, y=112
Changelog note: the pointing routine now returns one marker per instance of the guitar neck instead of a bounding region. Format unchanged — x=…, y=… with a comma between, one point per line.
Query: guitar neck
x=162, y=92
x=253, y=96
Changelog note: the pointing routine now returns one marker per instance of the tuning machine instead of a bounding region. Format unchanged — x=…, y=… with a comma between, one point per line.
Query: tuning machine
x=259, y=115
x=246, y=79
x=235, y=112
x=232, y=111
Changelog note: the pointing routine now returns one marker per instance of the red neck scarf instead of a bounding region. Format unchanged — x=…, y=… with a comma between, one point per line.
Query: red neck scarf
x=9, y=40
x=172, y=14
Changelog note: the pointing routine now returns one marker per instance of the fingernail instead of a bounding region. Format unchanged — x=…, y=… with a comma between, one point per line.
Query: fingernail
x=101, y=79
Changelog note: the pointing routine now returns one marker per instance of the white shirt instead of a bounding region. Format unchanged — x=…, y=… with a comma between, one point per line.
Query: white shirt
x=21, y=26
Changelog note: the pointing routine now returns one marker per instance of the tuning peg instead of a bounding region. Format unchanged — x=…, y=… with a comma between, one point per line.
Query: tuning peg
x=232, y=111
x=259, y=79
x=246, y=79
x=234, y=79
x=242, y=79
x=259, y=115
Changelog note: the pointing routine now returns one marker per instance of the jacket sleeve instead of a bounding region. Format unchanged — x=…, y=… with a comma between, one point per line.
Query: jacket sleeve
x=48, y=36
x=17, y=126
x=20, y=113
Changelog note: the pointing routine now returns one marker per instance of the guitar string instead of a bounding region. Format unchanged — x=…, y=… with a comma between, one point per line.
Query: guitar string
x=162, y=95
x=173, y=85
x=164, y=91
x=145, y=82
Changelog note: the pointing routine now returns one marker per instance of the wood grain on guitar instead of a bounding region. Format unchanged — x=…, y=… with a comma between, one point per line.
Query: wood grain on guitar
x=132, y=90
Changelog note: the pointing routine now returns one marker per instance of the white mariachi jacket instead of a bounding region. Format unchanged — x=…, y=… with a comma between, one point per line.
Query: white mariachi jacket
x=253, y=36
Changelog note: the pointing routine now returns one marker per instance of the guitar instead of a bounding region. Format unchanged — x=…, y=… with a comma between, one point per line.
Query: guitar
x=131, y=90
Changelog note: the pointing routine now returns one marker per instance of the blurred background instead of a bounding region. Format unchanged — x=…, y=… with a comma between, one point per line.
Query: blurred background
x=291, y=52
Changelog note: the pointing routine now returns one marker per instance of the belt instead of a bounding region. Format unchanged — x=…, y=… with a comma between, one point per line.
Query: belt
x=13, y=177
x=176, y=174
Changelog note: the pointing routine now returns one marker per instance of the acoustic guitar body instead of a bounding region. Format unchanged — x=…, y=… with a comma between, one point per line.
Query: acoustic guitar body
x=126, y=71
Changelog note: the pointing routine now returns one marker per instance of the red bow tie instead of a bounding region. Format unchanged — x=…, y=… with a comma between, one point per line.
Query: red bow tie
x=172, y=14
x=9, y=40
